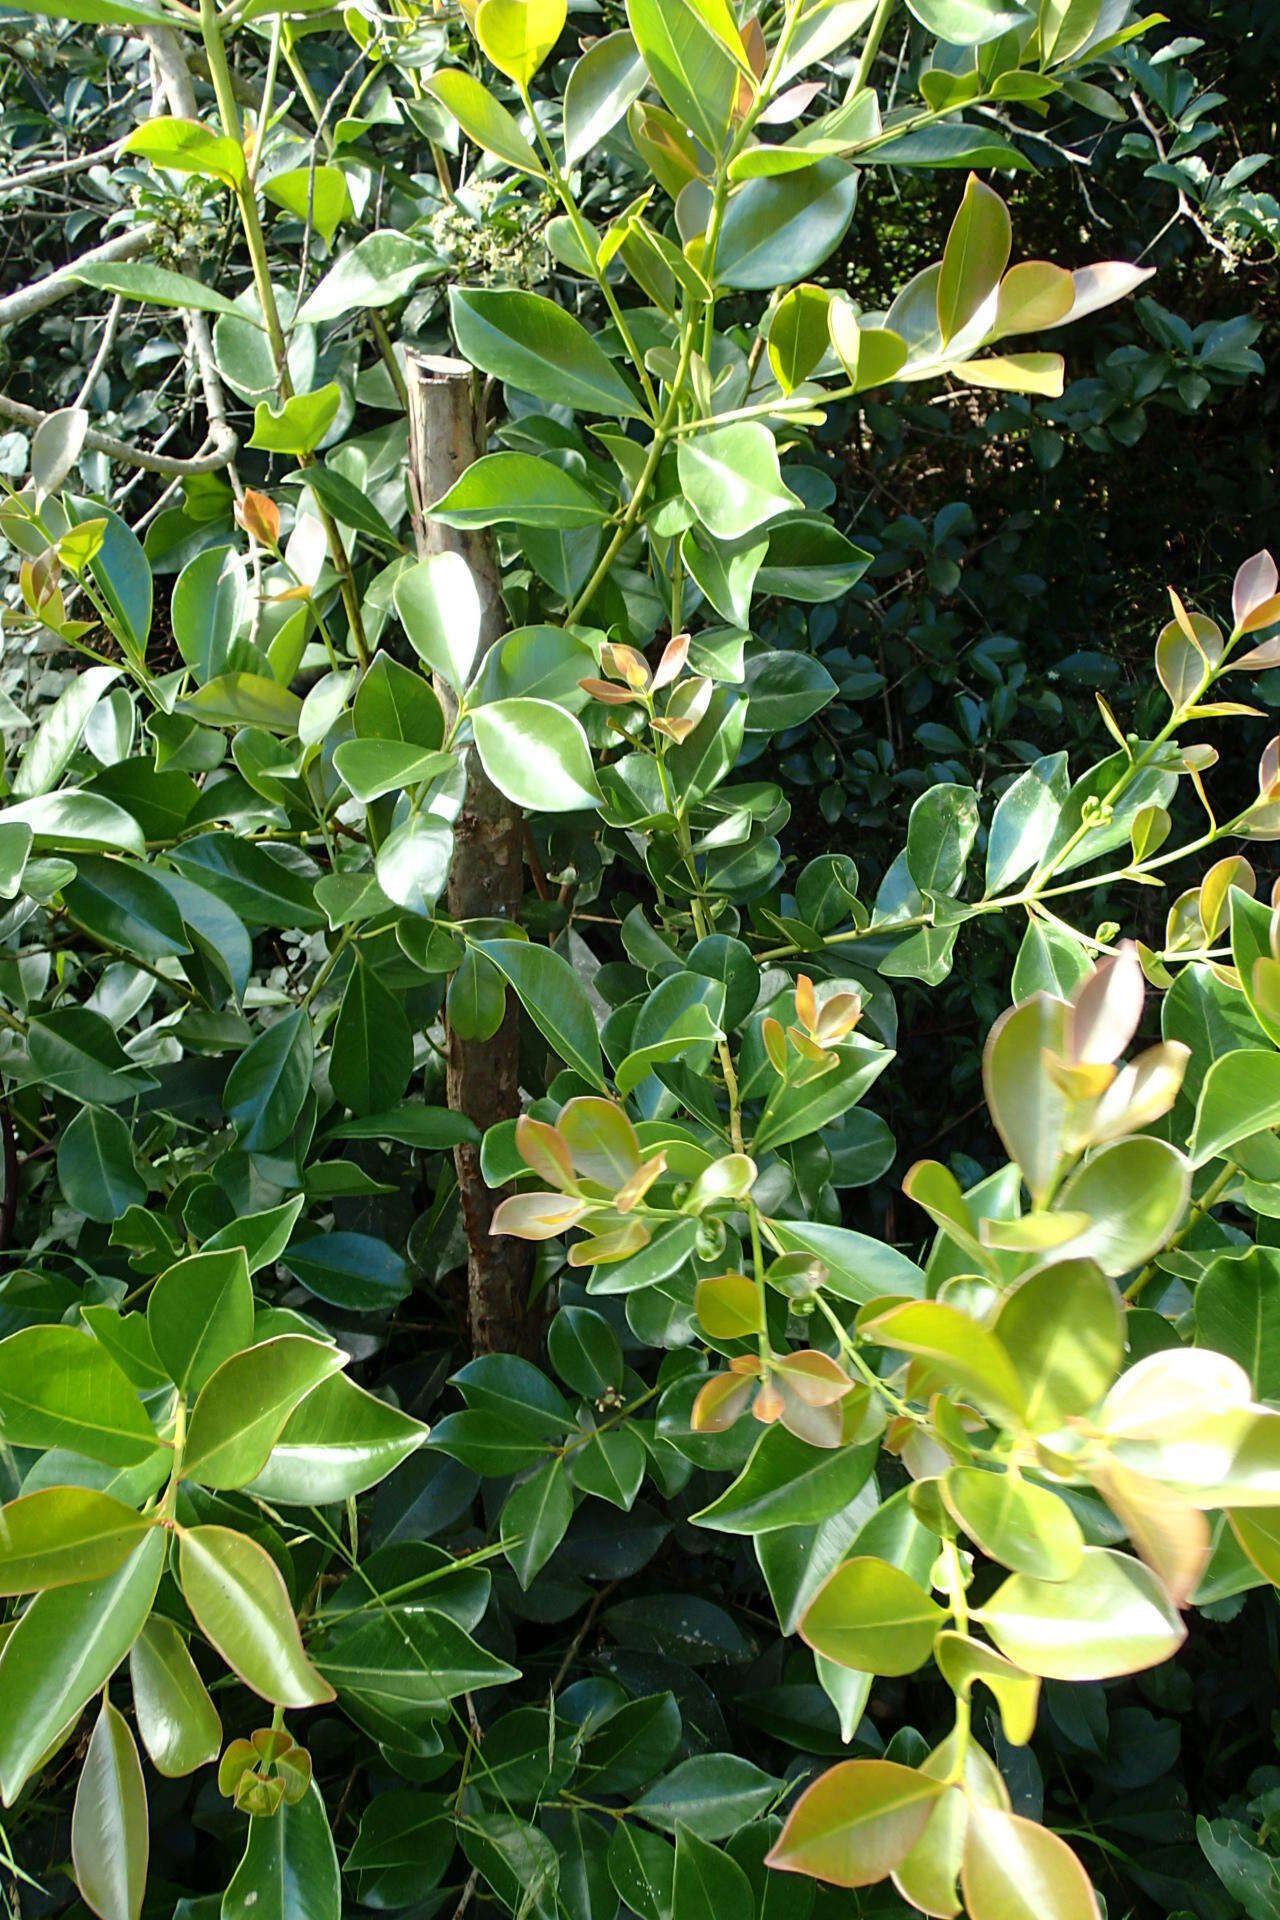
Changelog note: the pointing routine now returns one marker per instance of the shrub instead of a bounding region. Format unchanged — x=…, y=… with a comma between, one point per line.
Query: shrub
x=289, y=1045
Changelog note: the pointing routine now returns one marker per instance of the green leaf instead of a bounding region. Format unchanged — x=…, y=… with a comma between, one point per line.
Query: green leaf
x=1049, y=961
x=725, y=578
x=1135, y=1192
x=379, y=270
x=404, y=1845
x=517, y=35
x=64, y=1648
x=96, y=1167
x=611, y=1466
x=476, y=1002
x=338, y=1442
x=778, y=231
x=712, y=1794
x=374, y=767
x=201, y=1313
x=267, y=1085
x=264, y=892
x=239, y=1603
x=1027, y=1106
x=242, y=1408
x=349, y=1270
x=976, y=254
x=963, y=23
x=537, y=754
x=154, y=286
x=1111, y=1617
x=1015, y=1869
x=439, y=608
x=788, y=1483
x=483, y=120
x=126, y=907
x=299, y=424
x=1240, y=1096
x=178, y=1721
x=731, y=478
x=289, y=1870
x=872, y=1616
x=416, y=1661
x=1015, y=1522
x=585, y=1351
x=856, y=1823
x=395, y=703
x=487, y=1443
x=535, y=1515
x=75, y=822
x=56, y=446
x=859, y=1267
x=964, y=1352
x=318, y=195
x=528, y=342
x=57, y=739
x=642, y=1868
x=348, y=505
x=75, y=1052
x=110, y=1839
x=1237, y=1307
x=372, y=1058
x=604, y=82
x=516, y=1860
x=244, y=700
x=1024, y=819
x=103, y=13
x=940, y=834
x=798, y=336
x=796, y=1560
x=794, y=1111
x=60, y=1388
x=186, y=146
x=120, y=572
x=517, y=487
x=413, y=862
x=15, y=847
x=263, y=1236
x=434, y=1129
x=962, y=1661
x=1063, y=1329
x=555, y=1000
x=693, y=50
x=60, y=1535
x=708, y=1884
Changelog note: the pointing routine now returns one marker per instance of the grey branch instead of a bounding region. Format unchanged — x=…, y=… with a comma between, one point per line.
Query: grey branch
x=218, y=451
x=57, y=285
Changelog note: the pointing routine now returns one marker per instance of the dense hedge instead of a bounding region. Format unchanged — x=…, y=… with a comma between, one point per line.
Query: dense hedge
x=594, y=1321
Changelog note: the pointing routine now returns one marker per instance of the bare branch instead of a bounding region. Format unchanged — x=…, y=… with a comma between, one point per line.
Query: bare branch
x=59, y=169
x=221, y=444
x=57, y=285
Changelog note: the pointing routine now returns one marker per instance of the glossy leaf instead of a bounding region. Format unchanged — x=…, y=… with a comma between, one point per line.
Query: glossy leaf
x=110, y=1841
x=178, y=1721
x=1110, y=1617
x=243, y=1406
x=872, y=1616
x=240, y=1604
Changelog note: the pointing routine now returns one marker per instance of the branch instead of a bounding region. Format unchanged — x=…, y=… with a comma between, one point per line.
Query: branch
x=59, y=169
x=57, y=285
x=221, y=444
x=174, y=76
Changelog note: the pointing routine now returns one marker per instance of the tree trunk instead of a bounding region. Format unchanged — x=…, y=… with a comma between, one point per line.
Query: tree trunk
x=486, y=878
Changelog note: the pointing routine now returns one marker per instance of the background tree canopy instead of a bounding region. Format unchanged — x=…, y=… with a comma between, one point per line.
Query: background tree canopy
x=639, y=959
